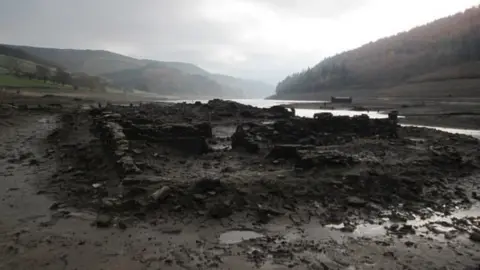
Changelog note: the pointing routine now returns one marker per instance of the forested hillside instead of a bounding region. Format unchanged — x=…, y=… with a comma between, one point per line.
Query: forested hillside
x=432, y=50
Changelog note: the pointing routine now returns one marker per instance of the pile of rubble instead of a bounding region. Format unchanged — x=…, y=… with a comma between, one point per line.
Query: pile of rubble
x=115, y=141
x=325, y=129
x=166, y=161
x=214, y=110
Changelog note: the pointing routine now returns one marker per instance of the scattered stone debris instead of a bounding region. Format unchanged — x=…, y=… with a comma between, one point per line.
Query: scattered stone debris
x=168, y=153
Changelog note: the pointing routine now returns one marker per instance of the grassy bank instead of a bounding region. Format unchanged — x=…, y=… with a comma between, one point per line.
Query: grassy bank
x=17, y=82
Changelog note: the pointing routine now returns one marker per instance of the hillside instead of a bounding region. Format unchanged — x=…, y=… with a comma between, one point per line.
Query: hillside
x=446, y=49
x=21, y=54
x=22, y=69
x=92, y=62
x=167, y=81
x=113, y=66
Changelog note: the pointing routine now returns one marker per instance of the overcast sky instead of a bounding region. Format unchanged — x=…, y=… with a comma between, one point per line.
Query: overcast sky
x=259, y=39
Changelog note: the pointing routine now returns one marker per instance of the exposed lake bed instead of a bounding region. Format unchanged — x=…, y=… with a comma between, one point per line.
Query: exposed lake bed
x=264, y=190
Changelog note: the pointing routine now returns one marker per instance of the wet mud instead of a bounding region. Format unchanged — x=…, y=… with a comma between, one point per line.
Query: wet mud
x=227, y=186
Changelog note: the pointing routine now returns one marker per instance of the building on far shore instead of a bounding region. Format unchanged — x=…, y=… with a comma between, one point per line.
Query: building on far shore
x=348, y=100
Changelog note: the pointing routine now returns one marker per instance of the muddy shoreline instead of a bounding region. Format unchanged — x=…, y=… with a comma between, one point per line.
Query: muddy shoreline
x=227, y=186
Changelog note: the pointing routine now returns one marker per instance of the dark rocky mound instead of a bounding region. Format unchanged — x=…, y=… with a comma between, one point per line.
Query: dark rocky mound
x=323, y=130
x=335, y=168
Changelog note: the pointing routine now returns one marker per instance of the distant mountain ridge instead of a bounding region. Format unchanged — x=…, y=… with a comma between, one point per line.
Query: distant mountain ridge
x=171, y=78
x=447, y=48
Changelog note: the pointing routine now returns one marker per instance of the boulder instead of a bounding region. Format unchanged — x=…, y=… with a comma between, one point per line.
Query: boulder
x=356, y=201
x=287, y=151
x=127, y=165
x=280, y=112
x=132, y=180
x=220, y=210
x=208, y=184
x=242, y=139
x=103, y=221
x=309, y=159
x=160, y=194
x=475, y=237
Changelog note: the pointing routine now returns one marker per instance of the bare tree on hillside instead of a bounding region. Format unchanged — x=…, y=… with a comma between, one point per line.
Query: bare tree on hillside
x=42, y=73
x=63, y=77
x=13, y=64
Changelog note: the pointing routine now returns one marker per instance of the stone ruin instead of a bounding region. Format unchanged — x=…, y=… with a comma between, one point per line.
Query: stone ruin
x=324, y=129
x=115, y=131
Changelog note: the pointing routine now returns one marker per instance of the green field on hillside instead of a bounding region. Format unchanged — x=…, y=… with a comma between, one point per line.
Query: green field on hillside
x=12, y=81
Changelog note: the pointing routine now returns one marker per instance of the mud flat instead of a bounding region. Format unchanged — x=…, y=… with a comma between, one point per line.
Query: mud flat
x=221, y=185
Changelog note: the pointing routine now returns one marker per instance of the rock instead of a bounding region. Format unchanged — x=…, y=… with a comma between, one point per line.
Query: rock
x=137, y=151
x=356, y=201
x=161, y=194
x=286, y=151
x=103, y=221
x=33, y=162
x=394, y=227
x=439, y=229
x=127, y=164
x=451, y=234
x=208, y=184
x=475, y=236
x=109, y=203
x=389, y=254
x=309, y=159
x=55, y=206
x=142, y=180
x=228, y=169
x=280, y=112
x=241, y=139
x=171, y=230
x=220, y=210
x=349, y=228
x=121, y=225
x=199, y=197
x=97, y=185
x=409, y=244
x=406, y=229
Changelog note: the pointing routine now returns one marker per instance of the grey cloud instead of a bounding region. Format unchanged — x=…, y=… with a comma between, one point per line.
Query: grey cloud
x=173, y=30
x=250, y=45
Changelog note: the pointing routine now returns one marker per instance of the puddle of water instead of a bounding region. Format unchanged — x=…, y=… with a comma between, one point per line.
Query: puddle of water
x=423, y=226
x=223, y=131
x=372, y=230
x=234, y=237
